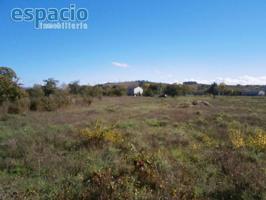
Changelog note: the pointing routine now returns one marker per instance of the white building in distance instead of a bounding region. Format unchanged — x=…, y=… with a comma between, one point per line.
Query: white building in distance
x=138, y=91
x=261, y=93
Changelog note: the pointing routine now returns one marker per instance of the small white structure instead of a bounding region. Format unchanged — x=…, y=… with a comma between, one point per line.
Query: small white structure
x=261, y=93
x=138, y=91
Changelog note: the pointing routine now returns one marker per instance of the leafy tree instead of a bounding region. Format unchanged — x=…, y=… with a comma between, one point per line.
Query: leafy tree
x=50, y=86
x=36, y=91
x=152, y=89
x=8, y=73
x=118, y=91
x=188, y=89
x=176, y=90
x=222, y=88
x=236, y=92
x=171, y=90
x=214, y=90
x=9, y=87
x=74, y=88
x=96, y=91
x=148, y=92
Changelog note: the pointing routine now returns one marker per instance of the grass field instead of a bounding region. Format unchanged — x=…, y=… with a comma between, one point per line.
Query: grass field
x=137, y=148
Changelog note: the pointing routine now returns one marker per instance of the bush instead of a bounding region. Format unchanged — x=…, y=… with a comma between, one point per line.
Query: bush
x=3, y=109
x=19, y=106
x=51, y=103
x=99, y=134
x=236, y=138
x=258, y=140
x=15, y=107
x=176, y=90
x=87, y=100
x=255, y=141
x=36, y=91
x=148, y=93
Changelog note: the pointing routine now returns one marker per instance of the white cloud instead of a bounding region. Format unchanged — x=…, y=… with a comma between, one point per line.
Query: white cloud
x=119, y=64
x=242, y=80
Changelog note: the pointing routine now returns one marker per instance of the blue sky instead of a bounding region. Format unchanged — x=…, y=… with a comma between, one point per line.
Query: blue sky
x=157, y=40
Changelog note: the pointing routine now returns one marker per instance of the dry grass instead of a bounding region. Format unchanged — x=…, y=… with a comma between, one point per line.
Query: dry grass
x=137, y=148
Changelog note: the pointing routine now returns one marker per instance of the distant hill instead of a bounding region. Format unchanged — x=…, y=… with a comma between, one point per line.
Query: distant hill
x=131, y=84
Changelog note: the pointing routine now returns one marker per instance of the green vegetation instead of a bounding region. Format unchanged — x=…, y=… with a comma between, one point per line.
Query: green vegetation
x=51, y=97
x=137, y=148
x=9, y=87
x=90, y=146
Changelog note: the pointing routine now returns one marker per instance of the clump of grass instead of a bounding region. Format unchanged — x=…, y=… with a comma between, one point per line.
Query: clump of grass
x=127, y=124
x=156, y=122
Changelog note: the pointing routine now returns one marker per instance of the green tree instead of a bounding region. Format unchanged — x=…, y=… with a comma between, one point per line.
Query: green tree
x=176, y=90
x=118, y=91
x=9, y=87
x=214, y=90
x=222, y=88
x=74, y=88
x=152, y=89
x=171, y=90
x=36, y=91
x=50, y=86
x=8, y=73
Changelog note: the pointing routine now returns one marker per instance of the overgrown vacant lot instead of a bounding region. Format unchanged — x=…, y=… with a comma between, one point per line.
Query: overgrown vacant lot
x=137, y=148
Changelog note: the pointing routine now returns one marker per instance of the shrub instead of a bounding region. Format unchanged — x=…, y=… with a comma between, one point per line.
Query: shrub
x=43, y=104
x=99, y=134
x=236, y=138
x=4, y=108
x=50, y=103
x=172, y=90
x=19, y=106
x=146, y=170
x=36, y=91
x=87, y=100
x=15, y=107
x=148, y=93
x=258, y=141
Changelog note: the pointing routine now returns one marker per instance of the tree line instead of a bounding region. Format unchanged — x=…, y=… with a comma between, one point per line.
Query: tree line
x=49, y=96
